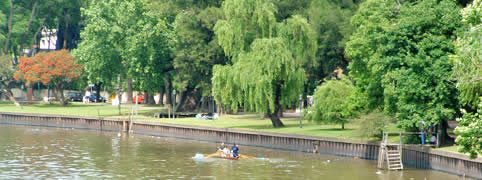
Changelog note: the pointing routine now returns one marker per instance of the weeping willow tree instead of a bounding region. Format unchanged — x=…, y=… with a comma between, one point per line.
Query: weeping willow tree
x=468, y=70
x=267, y=58
x=468, y=59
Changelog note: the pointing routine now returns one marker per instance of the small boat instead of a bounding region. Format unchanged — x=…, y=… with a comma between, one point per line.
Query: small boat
x=219, y=154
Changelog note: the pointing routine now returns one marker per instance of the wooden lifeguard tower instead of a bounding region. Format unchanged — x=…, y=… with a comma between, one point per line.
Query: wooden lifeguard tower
x=391, y=152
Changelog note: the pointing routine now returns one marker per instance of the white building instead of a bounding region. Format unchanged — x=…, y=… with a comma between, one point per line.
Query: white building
x=48, y=41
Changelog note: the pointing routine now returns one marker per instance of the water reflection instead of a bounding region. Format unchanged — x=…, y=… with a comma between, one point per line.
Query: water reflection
x=43, y=153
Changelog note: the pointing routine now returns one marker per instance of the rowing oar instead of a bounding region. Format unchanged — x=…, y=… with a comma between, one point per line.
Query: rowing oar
x=210, y=155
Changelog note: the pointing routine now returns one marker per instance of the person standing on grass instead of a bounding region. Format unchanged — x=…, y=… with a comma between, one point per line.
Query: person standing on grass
x=86, y=97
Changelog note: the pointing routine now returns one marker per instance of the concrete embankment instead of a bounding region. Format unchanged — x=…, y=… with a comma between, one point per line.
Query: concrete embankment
x=413, y=156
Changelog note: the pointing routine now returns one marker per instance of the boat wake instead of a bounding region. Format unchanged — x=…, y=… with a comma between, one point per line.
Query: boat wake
x=201, y=158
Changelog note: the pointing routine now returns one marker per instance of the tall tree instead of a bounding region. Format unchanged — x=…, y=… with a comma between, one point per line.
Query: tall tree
x=151, y=51
x=102, y=50
x=330, y=21
x=266, y=56
x=407, y=63
x=197, y=51
x=68, y=22
x=371, y=21
x=9, y=26
x=125, y=40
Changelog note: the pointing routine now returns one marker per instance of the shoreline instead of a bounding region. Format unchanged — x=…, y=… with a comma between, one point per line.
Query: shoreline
x=413, y=156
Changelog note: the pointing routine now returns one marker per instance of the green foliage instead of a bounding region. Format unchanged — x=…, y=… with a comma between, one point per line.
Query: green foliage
x=245, y=21
x=330, y=21
x=400, y=59
x=468, y=62
x=197, y=50
x=468, y=59
x=102, y=41
x=300, y=36
x=331, y=105
x=251, y=82
x=150, y=49
x=371, y=22
x=6, y=68
x=373, y=124
x=411, y=139
x=128, y=39
x=267, y=57
x=469, y=132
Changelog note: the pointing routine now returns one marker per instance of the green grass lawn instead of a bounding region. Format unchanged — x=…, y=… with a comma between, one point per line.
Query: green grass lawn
x=247, y=121
x=79, y=109
x=452, y=148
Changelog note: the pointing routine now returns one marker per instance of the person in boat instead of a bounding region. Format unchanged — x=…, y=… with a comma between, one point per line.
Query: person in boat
x=235, y=150
x=221, y=147
x=225, y=152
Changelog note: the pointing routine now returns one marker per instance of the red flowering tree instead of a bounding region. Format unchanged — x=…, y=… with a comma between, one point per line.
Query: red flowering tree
x=57, y=67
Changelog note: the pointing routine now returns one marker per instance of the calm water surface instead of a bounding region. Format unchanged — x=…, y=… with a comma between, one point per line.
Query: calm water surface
x=54, y=153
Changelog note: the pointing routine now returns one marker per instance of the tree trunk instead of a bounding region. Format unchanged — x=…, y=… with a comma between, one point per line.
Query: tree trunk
x=210, y=104
x=24, y=37
x=29, y=92
x=444, y=136
x=59, y=88
x=161, y=97
x=9, y=93
x=9, y=34
x=274, y=116
x=183, y=97
x=119, y=97
x=36, y=34
x=66, y=29
x=97, y=89
x=220, y=109
x=54, y=93
x=129, y=91
x=342, y=126
x=168, y=91
x=39, y=29
x=150, y=99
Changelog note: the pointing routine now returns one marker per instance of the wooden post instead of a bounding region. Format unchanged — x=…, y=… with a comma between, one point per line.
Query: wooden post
x=101, y=122
x=130, y=121
x=124, y=128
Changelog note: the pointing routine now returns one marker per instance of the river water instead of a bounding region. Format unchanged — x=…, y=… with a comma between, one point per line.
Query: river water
x=55, y=153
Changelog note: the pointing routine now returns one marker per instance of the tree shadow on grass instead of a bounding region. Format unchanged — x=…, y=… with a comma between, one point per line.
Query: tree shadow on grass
x=332, y=129
x=263, y=126
x=247, y=117
x=56, y=105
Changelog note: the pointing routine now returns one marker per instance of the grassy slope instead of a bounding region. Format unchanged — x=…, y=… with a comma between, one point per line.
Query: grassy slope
x=249, y=121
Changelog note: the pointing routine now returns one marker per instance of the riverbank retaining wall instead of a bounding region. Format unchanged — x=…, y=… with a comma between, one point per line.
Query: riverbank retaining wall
x=413, y=156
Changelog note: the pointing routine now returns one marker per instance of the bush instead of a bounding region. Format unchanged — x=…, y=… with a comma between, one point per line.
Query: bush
x=469, y=132
x=330, y=102
x=411, y=139
x=373, y=124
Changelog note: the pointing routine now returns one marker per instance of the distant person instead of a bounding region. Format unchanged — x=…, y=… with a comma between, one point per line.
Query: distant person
x=433, y=140
x=86, y=97
x=235, y=150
